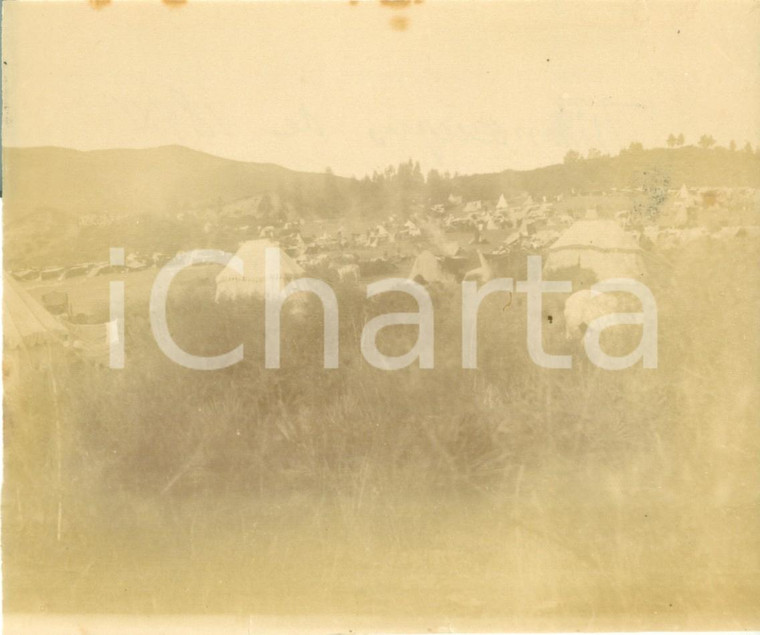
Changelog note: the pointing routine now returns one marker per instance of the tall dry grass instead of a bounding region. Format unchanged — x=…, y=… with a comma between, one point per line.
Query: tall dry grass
x=508, y=491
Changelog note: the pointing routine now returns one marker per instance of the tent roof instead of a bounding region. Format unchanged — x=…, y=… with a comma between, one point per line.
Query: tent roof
x=253, y=253
x=25, y=322
x=427, y=267
x=601, y=246
x=599, y=235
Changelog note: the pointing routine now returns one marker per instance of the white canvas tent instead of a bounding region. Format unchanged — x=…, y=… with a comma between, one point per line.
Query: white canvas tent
x=502, y=204
x=684, y=195
x=231, y=284
x=26, y=324
x=30, y=337
x=491, y=223
x=427, y=269
x=599, y=245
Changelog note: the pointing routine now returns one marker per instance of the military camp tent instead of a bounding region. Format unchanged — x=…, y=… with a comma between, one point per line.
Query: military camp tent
x=31, y=336
x=427, y=269
x=231, y=284
x=684, y=195
x=598, y=245
x=473, y=206
x=26, y=324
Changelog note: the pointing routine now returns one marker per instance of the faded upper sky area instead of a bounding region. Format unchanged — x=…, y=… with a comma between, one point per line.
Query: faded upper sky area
x=467, y=86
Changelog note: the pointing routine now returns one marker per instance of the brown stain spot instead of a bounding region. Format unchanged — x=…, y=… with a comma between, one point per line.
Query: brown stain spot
x=173, y=4
x=396, y=4
x=399, y=22
x=99, y=4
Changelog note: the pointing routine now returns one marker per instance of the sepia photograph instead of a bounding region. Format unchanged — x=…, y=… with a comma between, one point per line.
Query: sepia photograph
x=380, y=316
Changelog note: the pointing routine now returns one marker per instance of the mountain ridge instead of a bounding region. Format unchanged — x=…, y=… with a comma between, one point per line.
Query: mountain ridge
x=164, y=179
x=169, y=179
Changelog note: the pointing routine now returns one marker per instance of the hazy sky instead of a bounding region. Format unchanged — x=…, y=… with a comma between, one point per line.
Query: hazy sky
x=467, y=86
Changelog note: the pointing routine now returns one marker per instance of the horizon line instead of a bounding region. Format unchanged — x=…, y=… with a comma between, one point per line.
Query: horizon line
x=348, y=177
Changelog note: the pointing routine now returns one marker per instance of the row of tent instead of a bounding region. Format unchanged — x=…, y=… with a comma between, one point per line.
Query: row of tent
x=597, y=245
x=600, y=246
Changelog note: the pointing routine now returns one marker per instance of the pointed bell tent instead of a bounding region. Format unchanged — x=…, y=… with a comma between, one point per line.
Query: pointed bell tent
x=597, y=245
x=231, y=284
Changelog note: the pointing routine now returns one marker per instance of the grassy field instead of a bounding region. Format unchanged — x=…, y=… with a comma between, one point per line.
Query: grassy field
x=587, y=498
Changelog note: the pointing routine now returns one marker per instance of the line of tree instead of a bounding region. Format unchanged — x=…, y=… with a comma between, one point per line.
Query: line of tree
x=706, y=141
x=404, y=188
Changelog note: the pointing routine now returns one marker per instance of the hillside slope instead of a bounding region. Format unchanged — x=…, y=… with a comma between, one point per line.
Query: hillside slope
x=696, y=167
x=171, y=179
x=157, y=180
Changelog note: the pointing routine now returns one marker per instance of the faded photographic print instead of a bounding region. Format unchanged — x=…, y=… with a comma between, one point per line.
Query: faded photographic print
x=380, y=316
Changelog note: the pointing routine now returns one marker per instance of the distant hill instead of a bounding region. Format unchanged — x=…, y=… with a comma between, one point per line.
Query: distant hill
x=52, y=194
x=696, y=167
x=172, y=179
x=154, y=181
